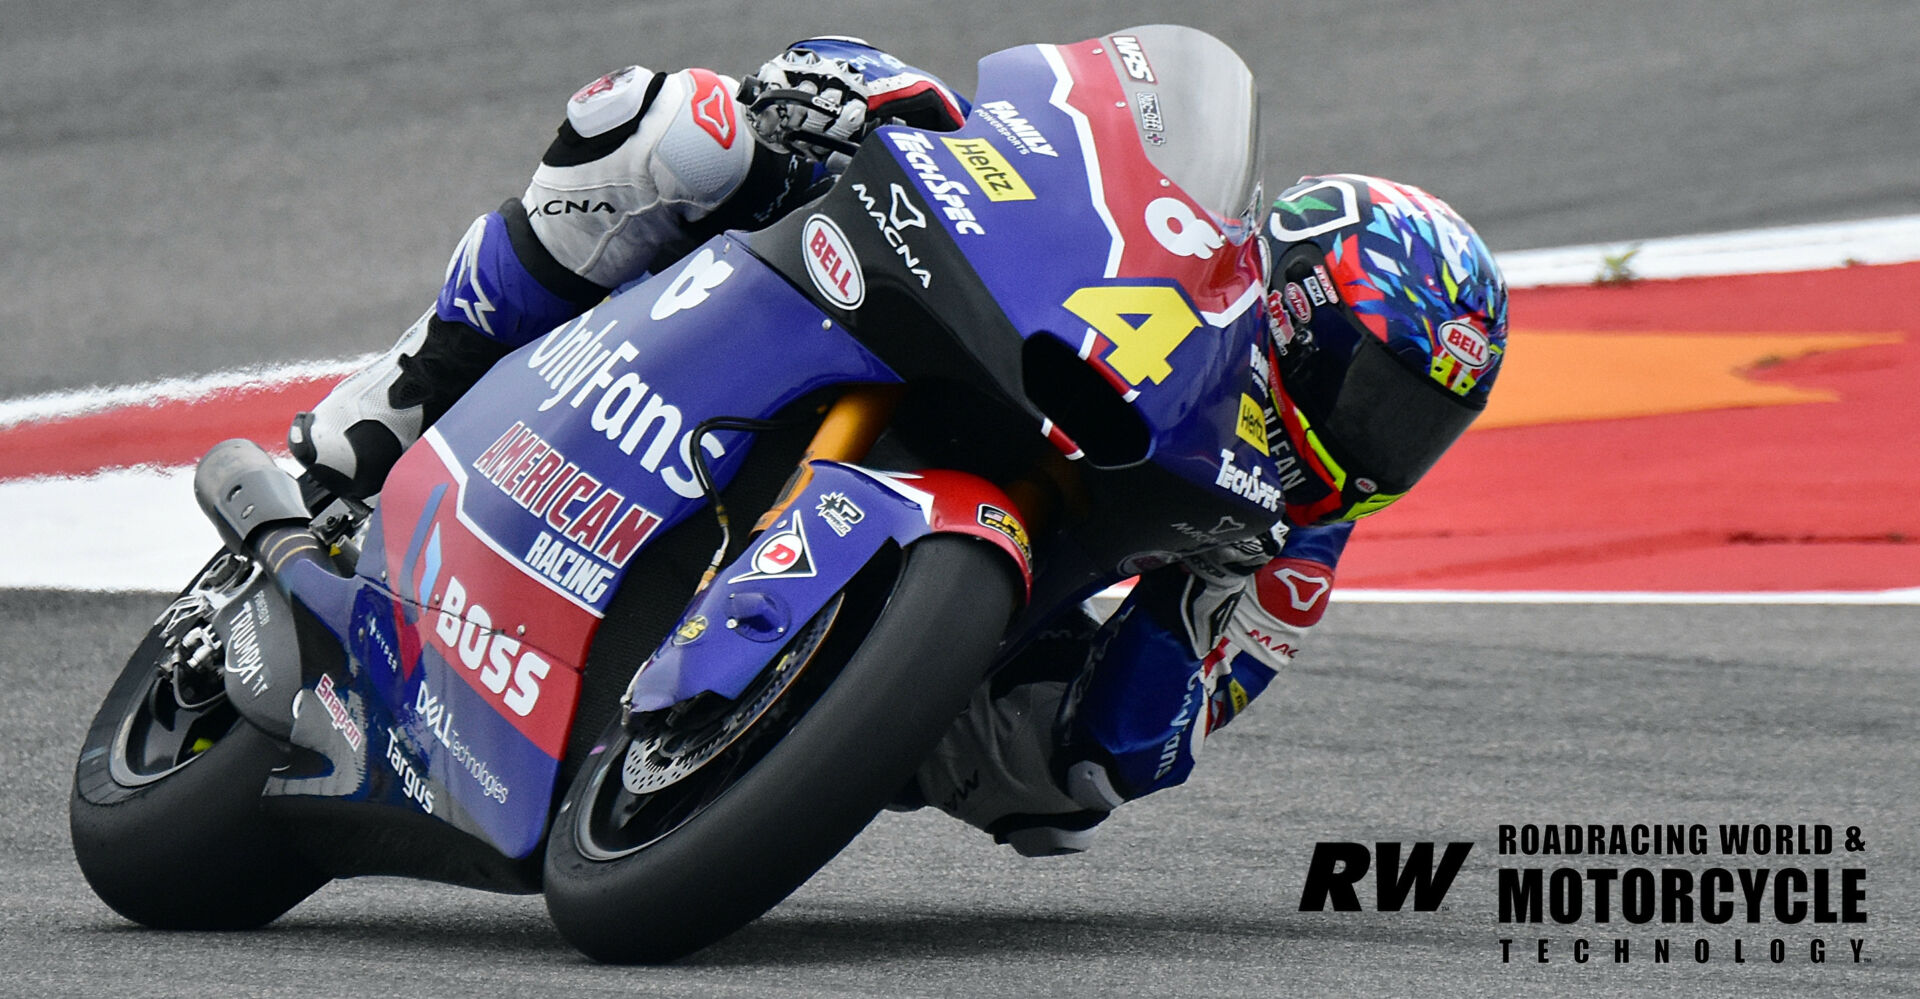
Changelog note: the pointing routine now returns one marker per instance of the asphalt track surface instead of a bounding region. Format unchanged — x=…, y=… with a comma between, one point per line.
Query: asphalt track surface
x=196, y=186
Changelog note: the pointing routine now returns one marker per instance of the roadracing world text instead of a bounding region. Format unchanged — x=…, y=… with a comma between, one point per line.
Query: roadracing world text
x=1772, y=883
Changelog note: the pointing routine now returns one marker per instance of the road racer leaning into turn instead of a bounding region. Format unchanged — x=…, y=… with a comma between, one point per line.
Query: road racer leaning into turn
x=1390, y=310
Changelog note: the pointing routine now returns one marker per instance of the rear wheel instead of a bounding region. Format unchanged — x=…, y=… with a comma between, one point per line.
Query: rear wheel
x=707, y=815
x=165, y=812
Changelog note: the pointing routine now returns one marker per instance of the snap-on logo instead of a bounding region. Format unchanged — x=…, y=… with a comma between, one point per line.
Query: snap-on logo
x=831, y=263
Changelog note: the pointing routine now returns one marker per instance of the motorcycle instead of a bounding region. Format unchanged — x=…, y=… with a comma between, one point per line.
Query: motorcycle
x=987, y=374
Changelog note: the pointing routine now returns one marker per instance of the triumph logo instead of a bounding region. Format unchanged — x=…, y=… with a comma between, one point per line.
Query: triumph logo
x=245, y=663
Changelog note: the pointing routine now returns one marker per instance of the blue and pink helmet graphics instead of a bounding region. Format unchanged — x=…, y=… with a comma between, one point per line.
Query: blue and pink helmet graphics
x=1411, y=271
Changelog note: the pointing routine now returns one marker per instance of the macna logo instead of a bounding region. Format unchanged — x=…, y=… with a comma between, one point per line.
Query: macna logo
x=1337, y=867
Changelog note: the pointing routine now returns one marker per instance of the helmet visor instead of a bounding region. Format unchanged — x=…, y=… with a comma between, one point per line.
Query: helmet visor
x=1389, y=422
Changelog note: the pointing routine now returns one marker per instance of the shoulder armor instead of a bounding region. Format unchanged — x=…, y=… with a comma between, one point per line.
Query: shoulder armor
x=609, y=102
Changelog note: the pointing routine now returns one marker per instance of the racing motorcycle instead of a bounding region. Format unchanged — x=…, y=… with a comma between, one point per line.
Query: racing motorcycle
x=987, y=374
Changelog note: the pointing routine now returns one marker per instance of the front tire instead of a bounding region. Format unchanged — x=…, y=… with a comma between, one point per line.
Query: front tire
x=651, y=877
x=165, y=812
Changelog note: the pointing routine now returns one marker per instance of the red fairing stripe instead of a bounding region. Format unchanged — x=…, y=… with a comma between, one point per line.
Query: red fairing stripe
x=520, y=645
x=1132, y=186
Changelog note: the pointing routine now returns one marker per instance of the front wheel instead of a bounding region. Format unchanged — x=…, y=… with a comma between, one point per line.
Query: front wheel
x=165, y=812
x=675, y=835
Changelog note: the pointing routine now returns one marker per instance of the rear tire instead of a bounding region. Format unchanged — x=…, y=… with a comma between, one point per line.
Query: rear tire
x=166, y=815
x=756, y=821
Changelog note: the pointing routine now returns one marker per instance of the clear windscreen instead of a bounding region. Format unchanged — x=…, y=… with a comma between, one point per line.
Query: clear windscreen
x=1208, y=105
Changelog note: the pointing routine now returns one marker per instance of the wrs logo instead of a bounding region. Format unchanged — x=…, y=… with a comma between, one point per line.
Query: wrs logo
x=1337, y=868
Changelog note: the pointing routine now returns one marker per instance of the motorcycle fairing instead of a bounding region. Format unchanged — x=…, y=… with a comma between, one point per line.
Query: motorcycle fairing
x=841, y=517
x=1140, y=279
x=474, y=611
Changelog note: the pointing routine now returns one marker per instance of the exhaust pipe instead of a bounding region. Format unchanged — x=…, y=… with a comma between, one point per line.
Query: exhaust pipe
x=256, y=507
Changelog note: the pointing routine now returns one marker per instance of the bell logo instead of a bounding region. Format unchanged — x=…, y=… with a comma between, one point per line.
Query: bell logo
x=1337, y=867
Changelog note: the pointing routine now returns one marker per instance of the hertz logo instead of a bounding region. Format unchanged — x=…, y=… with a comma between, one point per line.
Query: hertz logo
x=997, y=178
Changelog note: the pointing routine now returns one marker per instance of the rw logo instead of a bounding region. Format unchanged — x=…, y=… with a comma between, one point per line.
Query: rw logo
x=1337, y=867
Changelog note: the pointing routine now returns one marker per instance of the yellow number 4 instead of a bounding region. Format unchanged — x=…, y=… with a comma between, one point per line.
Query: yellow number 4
x=1140, y=351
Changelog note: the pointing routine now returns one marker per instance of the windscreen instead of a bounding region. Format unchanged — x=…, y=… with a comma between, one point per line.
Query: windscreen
x=1203, y=99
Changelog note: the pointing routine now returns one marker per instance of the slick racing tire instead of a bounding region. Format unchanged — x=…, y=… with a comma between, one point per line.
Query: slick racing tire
x=165, y=812
x=882, y=673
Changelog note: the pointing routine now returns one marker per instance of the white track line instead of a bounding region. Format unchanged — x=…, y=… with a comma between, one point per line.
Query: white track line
x=97, y=398
x=1753, y=251
x=139, y=529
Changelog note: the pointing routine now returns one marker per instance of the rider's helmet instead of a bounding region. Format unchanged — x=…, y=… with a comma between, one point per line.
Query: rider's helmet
x=1394, y=317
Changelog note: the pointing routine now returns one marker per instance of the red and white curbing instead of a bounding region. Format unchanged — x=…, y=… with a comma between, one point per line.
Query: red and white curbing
x=139, y=528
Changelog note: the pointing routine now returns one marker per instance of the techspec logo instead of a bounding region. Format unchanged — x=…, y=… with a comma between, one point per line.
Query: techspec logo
x=950, y=194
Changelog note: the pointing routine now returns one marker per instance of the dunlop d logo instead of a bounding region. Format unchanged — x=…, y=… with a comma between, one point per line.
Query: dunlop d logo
x=997, y=178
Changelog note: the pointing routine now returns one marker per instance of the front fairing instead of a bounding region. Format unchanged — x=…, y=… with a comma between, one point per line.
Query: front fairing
x=1098, y=195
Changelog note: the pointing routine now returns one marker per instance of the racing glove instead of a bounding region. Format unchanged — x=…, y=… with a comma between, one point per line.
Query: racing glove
x=803, y=102
x=1230, y=600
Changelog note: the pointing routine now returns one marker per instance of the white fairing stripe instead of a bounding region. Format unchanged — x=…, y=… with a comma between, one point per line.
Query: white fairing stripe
x=1225, y=317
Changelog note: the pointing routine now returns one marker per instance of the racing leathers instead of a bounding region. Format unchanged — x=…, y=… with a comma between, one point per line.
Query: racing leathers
x=646, y=166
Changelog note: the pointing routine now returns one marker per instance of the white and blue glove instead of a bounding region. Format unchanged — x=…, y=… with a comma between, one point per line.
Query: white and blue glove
x=799, y=101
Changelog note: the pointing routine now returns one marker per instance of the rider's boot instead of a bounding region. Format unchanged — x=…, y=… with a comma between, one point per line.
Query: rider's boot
x=353, y=437
x=999, y=768
x=1007, y=765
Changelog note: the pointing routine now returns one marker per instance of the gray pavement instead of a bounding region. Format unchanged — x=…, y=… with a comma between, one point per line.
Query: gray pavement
x=195, y=186
x=1407, y=724
x=192, y=186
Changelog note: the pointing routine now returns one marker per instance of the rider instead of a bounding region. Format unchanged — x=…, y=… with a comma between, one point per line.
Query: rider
x=1388, y=312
